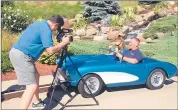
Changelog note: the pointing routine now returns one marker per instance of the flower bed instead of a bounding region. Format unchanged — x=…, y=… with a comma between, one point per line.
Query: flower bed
x=43, y=69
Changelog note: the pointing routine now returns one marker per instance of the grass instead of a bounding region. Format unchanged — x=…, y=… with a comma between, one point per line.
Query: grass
x=164, y=49
x=87, y=47
x=40, y=9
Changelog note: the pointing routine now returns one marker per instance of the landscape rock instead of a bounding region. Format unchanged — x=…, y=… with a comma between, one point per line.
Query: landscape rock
x=100, y=38
x=105, y=29
x=148, y=16
x=176, y=9
x=141, y=23
x=80, y=32
x=67, y=23
x=125, y=29
x=141, y=38
x=91, y=31
x=130, y=29
x=76, y=37
x=148, y=40
x=160, y=35
x=142, y=10
x=138, y=18
x=87, y=37
x=113, y=35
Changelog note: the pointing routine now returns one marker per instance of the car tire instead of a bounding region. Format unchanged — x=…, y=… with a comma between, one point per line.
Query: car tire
x=98, y=89
x=156, y=79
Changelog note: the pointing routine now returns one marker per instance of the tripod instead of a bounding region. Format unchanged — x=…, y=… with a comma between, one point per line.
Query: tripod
x=56, y=81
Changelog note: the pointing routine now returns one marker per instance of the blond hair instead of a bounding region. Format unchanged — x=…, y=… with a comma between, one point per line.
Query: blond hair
x=122, y=41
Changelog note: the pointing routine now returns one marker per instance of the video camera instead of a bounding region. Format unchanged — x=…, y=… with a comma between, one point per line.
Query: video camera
x=62, y=32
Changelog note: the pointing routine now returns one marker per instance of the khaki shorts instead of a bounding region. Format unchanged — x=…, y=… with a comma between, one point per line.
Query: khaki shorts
x=24, y=67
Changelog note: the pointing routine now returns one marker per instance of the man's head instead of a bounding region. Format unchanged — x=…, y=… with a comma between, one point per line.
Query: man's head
x=134, y=43
x=55, y=22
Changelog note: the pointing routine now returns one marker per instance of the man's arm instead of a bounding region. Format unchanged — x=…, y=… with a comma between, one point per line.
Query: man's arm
x=56, y=48
x=130, y=60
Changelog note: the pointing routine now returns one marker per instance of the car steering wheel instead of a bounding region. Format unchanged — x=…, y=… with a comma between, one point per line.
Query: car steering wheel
x=110, y=51
x=107, y=49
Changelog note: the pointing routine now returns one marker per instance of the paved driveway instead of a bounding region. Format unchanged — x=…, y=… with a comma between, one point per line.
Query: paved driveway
x=135, y=97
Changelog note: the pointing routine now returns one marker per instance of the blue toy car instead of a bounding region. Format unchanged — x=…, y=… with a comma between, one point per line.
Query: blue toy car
x=103, y=70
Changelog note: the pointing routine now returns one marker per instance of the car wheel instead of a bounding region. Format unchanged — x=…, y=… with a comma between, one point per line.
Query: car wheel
x=156, y=79
x=95, y=84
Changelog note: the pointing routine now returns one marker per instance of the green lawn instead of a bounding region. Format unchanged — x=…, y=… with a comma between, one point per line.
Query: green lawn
x=164, y=49
x=45, y=9
x=87, y=47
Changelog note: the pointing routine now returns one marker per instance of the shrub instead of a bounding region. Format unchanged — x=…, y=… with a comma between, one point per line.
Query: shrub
x=5, y=62
x=51, y=60
x=160, y=8
x=117, y=21
x=129, y=13
x=150, y=35
x=7, y=3
x=80, y=23
x=8, y=40
x=14, y=20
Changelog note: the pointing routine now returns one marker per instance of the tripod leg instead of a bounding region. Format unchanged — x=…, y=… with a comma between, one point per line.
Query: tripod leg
x=51, y=97
x=83, y=81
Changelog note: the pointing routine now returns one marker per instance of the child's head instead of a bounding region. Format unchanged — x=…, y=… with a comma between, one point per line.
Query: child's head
x=120, y=42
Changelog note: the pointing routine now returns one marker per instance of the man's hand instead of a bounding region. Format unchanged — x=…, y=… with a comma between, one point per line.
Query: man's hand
x=65, y=40
x=56, y=48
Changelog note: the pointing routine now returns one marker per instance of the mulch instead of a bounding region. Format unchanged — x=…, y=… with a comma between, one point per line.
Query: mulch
x=43, y=69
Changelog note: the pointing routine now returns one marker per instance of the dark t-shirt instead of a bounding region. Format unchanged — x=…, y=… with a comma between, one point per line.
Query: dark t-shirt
x=137, y=54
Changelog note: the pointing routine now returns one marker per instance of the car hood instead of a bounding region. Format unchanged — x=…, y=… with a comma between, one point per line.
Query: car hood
x=90, y=60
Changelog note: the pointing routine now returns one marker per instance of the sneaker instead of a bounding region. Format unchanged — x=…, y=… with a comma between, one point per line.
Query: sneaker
x=39, y=105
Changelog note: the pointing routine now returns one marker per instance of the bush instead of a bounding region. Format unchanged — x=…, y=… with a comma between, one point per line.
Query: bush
x=150, y=35
x=7, y=3
x=14, y=20
x=5, y=62
x=51, y=60
x=117, y=21
x=80, y=23
x=129, y=13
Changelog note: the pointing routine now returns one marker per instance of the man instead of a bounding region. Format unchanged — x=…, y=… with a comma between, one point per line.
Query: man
x=34, y=40
x=133, y=55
